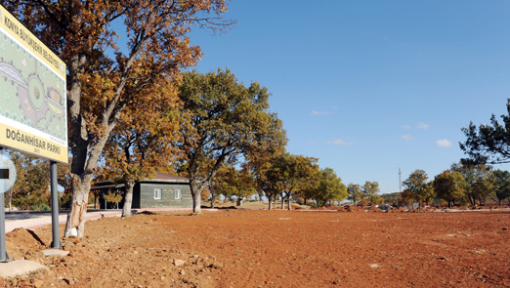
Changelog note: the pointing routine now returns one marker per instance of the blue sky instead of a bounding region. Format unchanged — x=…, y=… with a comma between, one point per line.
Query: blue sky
x=371, y=86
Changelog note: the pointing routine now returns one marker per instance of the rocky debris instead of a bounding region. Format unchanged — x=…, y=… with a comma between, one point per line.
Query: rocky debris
x=55, y=253
x=20, y=268
x=480, y=251
x=504, y=228
x=179, y=262
x=69, y=280
x=38, y=283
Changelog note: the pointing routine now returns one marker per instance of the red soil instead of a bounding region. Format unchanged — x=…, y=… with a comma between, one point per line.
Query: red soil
x=240, y=248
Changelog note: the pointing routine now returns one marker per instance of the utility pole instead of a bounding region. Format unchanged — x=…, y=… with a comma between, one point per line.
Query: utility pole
x=399, y=180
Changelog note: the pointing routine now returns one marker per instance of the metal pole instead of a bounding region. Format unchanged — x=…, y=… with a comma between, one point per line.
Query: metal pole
x=3, y=250
x=54, y=205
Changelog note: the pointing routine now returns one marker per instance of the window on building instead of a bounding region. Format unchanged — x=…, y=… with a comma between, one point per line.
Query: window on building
x=178, y=194
x=157, y=193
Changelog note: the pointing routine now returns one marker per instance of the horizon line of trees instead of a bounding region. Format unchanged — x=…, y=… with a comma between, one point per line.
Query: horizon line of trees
x=465, y=184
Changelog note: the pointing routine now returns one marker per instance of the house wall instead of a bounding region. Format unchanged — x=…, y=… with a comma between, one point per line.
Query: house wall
x=167, y=195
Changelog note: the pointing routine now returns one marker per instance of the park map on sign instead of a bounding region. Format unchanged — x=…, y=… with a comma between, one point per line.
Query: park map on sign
x=31, y=93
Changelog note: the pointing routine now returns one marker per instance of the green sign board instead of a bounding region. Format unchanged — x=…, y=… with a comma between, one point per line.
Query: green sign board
x=33, y=103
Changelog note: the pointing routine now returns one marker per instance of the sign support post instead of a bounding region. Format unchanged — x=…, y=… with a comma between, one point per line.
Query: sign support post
x=4, y=257
x=3, y=250
x=54, y=205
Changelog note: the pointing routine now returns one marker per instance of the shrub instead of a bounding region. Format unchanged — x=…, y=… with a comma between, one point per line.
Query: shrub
x=40, y=207
x=65, y=201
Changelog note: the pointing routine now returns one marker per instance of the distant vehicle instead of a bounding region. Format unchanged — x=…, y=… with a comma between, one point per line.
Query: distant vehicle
x=385, y=207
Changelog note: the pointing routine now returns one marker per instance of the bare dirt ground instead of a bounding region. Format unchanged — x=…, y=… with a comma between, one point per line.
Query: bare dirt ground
x=242, y=248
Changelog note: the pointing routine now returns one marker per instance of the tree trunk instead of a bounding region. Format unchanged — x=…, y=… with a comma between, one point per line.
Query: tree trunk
x=269, y=198
x=195, y=194
x=283, y=201
x=449, y=203
x=128, y=199
x=76, y=217
x=274, y=201
x=288, y=202
x=10, y=200
x=213, y=197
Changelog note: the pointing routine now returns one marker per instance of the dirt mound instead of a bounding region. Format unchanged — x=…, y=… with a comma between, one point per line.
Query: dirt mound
x=330, y=207
x=352, y=208
x=375, y=209
x=295, y=207
x=23, y=244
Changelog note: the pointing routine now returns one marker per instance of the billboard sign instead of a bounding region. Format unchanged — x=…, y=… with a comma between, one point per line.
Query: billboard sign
x=33, y=101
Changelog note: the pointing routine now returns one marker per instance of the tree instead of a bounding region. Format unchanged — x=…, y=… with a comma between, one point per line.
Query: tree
x=289, y=172
x=429, y=194
x=502, y=184
x=32, y=181
x=370, y=191
x=218, y=184
x=449, y=186
x=142, y=140
x=308, y=189
x=330, y=188
x=271, y=144
x=20, y=161
x=484, y=188
x=472, y=173
x=394, y=198
x=113, y=197
x=488, y=144
x=100, y=83
x=407, y=197
x=355, y=193
x=226, y=119
x=239, y=184
x=417, y=184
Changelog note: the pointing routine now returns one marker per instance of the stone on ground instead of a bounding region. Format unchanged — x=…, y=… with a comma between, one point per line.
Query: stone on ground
x=20, y=268
x=55, y=253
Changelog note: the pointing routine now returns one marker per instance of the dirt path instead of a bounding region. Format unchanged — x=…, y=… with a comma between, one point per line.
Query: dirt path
x=288, y=249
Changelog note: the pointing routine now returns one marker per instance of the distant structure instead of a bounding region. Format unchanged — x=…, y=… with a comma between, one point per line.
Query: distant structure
x=399, y=180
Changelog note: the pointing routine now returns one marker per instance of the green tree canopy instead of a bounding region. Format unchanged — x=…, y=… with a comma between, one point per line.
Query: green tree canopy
x=490, y=143
x=226, y=119
x=502, y=184
x=371, y=191
x=449, y=186
x=418, y=185
x=475, y=176
x=355, y=193
x=330, y=187
x=290, y=172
